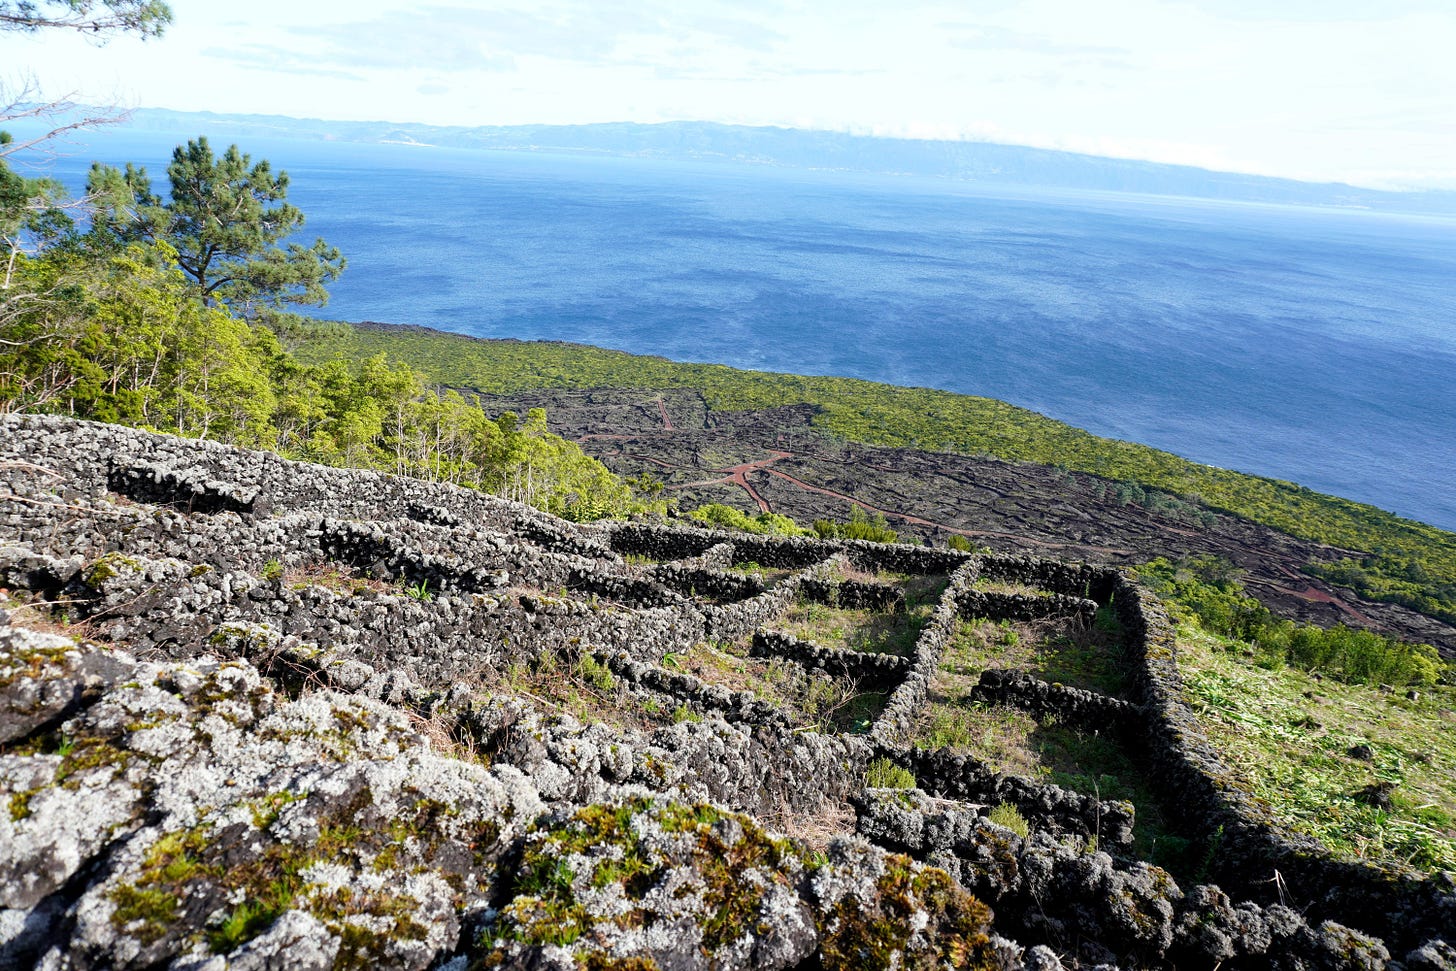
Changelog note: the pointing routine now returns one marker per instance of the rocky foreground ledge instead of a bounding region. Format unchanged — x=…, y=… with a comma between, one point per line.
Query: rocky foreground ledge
x=258, y=714
x=190, y=815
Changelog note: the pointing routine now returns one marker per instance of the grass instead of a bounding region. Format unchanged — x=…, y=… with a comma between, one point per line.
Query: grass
x=333, y=576
x=1006, y=587
x=1288, y=739
x=583, y=688
x=808, y=699
x=854, y=629
x=884, y=774
x=766, y=573
x=1014, y=742
x=1055, y=650
x=1007, y=815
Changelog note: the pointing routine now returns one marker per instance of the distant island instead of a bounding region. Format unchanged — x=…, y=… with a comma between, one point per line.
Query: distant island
x=967, y=161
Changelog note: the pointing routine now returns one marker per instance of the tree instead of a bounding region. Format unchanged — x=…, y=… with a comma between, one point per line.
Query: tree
x=146, y=17
x=31, y=209
x=225, y=219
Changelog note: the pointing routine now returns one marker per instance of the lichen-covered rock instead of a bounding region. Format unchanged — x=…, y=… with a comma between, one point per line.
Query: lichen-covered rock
x=44, y=677
x=190, y=810
x=1209, y=927
x=1434, y=955
x=689, y=887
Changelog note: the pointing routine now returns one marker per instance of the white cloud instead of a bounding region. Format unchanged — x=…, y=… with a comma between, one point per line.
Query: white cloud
x=1313, y=88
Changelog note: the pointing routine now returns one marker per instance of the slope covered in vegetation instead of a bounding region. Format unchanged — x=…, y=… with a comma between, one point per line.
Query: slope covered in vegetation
x=123, y=338
x=1398, y=560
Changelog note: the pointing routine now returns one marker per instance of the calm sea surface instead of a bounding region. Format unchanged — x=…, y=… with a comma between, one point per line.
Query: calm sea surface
x=1311, y=345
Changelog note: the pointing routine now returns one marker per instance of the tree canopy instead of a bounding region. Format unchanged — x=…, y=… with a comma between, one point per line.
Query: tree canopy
x=225, y=219
x=145, y=17
x=30, y=210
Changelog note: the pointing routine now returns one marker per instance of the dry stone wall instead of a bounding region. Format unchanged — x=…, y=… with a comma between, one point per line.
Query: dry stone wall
x=431, y=601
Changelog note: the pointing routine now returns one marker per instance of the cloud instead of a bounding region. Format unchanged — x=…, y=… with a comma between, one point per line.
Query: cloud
x=968, y=36
x=1317, y=11
x=276, y=61
x=453, y=38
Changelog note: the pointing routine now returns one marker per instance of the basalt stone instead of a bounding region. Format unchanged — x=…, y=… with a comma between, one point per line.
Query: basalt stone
x=243, y=581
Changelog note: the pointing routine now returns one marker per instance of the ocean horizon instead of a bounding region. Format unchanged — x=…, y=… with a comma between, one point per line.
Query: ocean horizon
x=1306, y=344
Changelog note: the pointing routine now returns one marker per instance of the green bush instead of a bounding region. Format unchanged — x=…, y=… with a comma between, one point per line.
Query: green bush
x=1010, y=817
x=765, y=524
x=134, y=344
x=859, y=526
x=595, y=673
x=884, y=774
x=1206, y=590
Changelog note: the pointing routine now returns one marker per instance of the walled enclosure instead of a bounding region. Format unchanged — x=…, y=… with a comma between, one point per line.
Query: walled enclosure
x=442, y=603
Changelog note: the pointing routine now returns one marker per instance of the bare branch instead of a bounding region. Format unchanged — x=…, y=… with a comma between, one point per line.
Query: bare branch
x=64, y=114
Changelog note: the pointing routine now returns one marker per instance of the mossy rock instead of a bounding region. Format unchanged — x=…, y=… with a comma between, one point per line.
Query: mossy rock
x=663, y=883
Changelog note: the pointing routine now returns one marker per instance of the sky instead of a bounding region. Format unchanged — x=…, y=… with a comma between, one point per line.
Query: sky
x=1358, y=91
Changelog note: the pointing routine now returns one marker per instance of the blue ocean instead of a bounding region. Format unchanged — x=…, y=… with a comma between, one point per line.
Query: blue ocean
x=1306, y=344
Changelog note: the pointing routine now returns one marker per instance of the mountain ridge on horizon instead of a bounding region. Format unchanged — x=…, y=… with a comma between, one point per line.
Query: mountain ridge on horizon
x=987, y=163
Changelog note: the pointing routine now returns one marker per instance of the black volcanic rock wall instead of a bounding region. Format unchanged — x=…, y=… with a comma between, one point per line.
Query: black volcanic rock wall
x=360, y=590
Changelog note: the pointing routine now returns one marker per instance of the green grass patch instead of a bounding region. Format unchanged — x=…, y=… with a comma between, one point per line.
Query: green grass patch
x=1296, y=744
x=884, y=774
x=809, y=699
x=1055, y=650
x=1014, y=742
x=584, y=688
x=767, y=573
x=1007, y=815
x=854, y=629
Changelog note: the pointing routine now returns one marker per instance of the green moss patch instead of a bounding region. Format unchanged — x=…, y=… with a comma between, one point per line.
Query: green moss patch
x=878, y=934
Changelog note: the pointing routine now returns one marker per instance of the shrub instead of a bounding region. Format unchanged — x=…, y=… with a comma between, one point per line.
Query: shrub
x=1206, y=591
x=764, y=524
x=884, y=774
x=595, y=673
x=1010, y=817
x=859, y=526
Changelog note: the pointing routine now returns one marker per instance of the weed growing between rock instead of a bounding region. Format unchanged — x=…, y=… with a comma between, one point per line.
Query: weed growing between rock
x=885, y=774
x=1007, y=815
